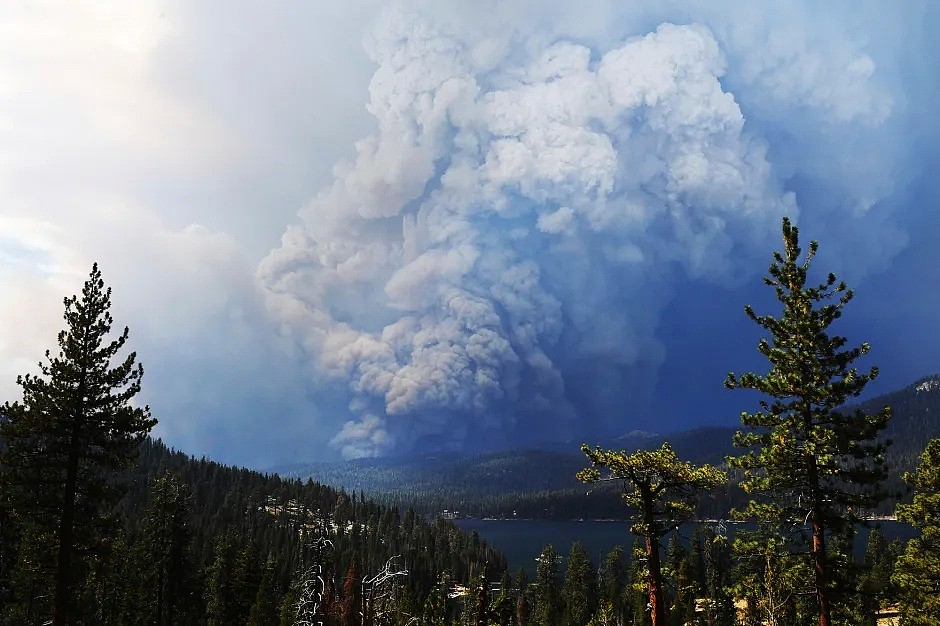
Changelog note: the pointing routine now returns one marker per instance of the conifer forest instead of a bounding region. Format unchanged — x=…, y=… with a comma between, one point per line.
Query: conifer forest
x=102, y=524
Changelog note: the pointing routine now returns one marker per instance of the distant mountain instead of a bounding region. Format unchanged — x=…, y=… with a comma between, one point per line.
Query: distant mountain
x=502, y=471
x=915, y=419
x=540, y=482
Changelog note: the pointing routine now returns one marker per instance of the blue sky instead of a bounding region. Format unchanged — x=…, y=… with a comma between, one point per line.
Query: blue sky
x=366, y=228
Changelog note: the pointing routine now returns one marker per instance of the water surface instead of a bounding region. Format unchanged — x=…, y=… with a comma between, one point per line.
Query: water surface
x=522, y=540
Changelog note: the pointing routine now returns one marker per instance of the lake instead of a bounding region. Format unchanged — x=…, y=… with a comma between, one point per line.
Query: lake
x=522, y=540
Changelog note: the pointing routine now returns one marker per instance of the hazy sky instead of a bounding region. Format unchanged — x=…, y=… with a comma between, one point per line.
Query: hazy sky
x=365, y=228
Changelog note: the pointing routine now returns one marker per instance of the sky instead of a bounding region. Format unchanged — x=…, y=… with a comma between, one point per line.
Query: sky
x=370, y=228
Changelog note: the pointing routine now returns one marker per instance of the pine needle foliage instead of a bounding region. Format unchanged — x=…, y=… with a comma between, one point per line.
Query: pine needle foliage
x=658, y=486
x=662, y=490
x=809, y=461
x=73, y=430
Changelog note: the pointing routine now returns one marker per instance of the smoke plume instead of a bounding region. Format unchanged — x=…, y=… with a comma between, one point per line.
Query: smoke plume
x=513, y=224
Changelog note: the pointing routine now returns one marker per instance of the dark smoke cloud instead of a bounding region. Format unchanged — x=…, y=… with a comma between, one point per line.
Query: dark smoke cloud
x=493, y=264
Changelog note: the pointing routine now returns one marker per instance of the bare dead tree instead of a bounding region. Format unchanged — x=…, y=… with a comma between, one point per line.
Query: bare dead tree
x=379, y=592
x=312, y=585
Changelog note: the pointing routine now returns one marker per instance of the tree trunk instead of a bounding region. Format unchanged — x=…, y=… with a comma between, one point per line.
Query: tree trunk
x=654, y=574
x=820, y=567
x=63, y=576
x=820, y=570
x=655, y=578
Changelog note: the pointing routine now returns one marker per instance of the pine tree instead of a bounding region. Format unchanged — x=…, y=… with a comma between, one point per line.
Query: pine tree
x=435, y=606
x=579, y=589
x=678, y=570
x=612, y=575
x=662, y=491
x=808, y=459
x=222, y=600
x=477, y=600
x=877, y=586
x=611, y=579
x=74, y=428
x=166, y=543
x=246, y=577
x=917, y=573
x=264, y=608
x=716, y=554
x=503, y=604
x=288, y=608
x=523, y=606
x=546, y=606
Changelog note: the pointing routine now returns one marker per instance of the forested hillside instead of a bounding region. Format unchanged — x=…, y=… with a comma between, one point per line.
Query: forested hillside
x=915, y=419
x=197, y=541
x=540, y=483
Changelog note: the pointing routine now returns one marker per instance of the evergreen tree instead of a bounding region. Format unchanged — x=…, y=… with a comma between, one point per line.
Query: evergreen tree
x=877, y=585
x=73, y=428
x=716, y=553
x=612, y=575
x=166, y=544
x=917, y=572
x=477, y=600
x=264, y=610
x=811, y=461
x=678, y=570
x=697, y=561
x=579, y=591
x=246, y=577
x=503, y=604
x=847, y=576
x=30, y=578
x=288, y=608
x=121, y=591
x=435, y=606
x=611, y=579
x=523, y=606
x=9, y=543
x=547, y=610
x=662, y=491
x=222, y=601
x=872, y=582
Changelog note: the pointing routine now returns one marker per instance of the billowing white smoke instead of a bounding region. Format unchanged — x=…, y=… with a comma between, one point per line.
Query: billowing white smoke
x=505, y=239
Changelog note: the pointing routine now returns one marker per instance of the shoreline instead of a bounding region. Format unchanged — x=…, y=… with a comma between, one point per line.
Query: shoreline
x=876, y=518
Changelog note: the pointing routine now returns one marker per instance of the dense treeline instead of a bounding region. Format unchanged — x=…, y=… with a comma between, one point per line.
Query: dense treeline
x=199, y=542
x=596, y=502
x=532, y=483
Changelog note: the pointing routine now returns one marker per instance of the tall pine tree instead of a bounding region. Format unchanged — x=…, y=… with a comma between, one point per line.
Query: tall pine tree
x=74, y=428
x=811, y=462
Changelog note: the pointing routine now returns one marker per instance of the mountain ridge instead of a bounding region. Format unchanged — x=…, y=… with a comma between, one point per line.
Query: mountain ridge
x=542, y=478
